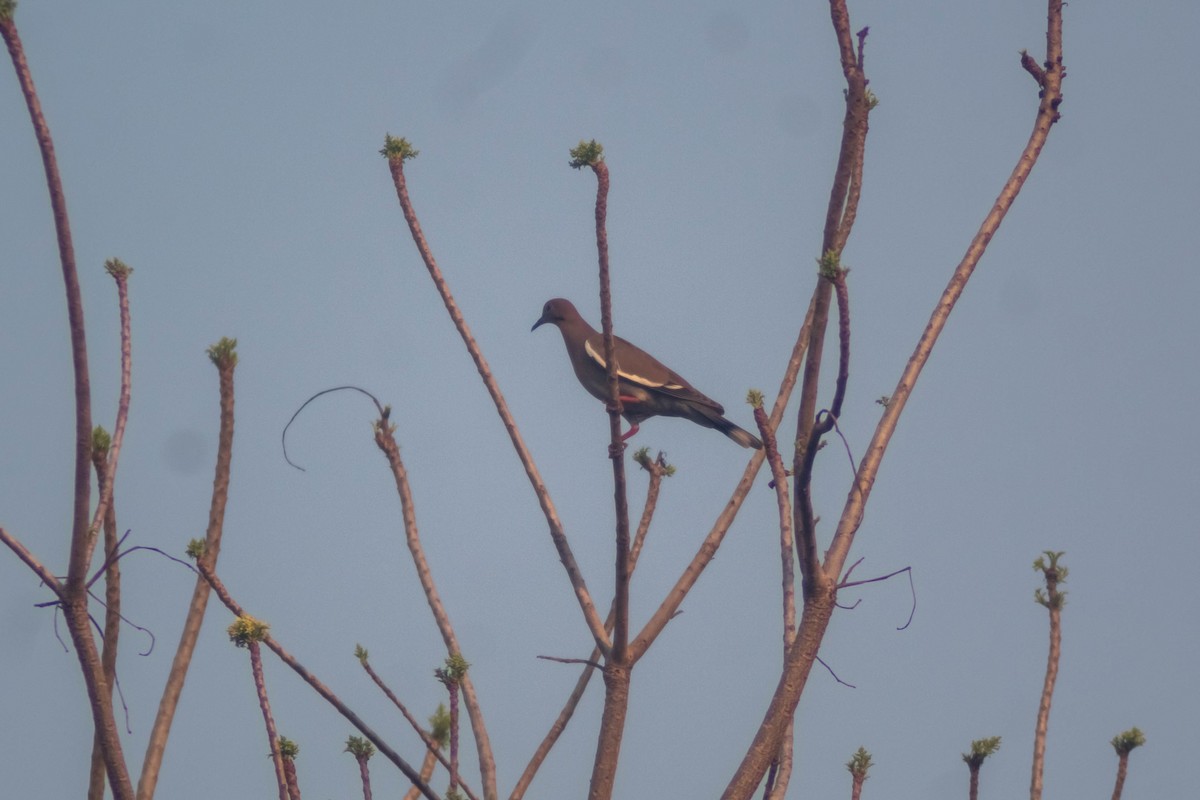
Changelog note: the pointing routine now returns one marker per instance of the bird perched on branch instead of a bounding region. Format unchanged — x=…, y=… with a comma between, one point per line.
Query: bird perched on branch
x=646, y=387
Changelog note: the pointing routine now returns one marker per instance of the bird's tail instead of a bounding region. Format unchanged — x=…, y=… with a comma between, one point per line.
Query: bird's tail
x=742, y=437
x=711, y=417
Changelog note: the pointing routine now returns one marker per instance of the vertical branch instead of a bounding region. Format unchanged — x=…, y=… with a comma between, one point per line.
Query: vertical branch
x=451, y=677
x=591, y=154
x=1053, y=599
x=782, y=765
x=248, y=632
x=288, y=750
x=658, y=469
x=80, y=546
x=106, y=453
x=260, y=688
x=840, y=214
x=980, y=750
x=364, y=772
x=858, y=765
x=1124, y=744
x=112, y=602
x=397, y=151
x=362, y=750
x=74, y=591
x=120, y=273
x=618, y=664
x=806, y=454
x=223, y=355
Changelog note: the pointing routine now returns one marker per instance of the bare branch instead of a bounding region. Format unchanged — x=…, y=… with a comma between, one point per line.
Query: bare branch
x=31, y=561
x=1047, y=115
x=431, y=745
x=120, y=273
x=397, y=151
x=616, y=447
x=387, y=443
x=224, y=357
x=781, y=768
x=222, y=593
x=708, y=548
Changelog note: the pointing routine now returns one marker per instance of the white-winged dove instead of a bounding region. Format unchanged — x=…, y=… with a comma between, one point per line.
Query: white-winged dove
x=647, y=388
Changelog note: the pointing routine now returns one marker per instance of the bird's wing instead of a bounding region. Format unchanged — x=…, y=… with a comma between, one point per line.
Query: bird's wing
x=642, y=369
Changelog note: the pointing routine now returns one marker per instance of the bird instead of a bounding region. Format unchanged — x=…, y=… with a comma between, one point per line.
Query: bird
x=647, y=388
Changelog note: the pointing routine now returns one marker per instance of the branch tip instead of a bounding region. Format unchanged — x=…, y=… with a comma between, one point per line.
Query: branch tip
x=224, y=353
x=118, y=269
x=586, y=154
x=398, y=149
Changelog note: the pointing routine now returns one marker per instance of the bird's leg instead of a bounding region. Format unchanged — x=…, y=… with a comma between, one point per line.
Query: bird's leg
x=631, y=432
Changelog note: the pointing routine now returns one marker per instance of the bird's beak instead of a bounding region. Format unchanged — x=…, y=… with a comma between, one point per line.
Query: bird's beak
x=541, y=321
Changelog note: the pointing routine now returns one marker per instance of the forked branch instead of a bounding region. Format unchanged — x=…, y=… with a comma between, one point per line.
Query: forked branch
x=397, y=151
x=1047, y=114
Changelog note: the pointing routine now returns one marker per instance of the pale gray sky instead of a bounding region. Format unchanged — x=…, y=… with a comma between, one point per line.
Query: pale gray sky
x=229, y=155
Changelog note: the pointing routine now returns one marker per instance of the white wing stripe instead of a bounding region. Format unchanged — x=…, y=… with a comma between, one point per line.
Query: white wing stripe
x=629, y=376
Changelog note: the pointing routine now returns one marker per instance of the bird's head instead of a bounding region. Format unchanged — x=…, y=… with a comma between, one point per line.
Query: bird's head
x=556, y=311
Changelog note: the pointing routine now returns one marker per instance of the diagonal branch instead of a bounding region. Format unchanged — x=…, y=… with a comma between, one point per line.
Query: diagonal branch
x=431, y=745
x=868, y=470
x=487, y=761
x=708, y=548
x=31, y=561
x=397, y=151
x=206, y=572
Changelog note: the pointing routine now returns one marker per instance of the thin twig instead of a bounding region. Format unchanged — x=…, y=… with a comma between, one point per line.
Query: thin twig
x=120, y=274
x=594, y=664
x=834, y=674
x=384, y=414
x=846, y=583
x=431, y=744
